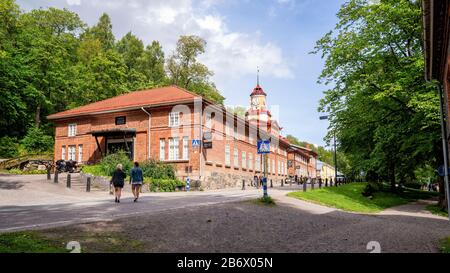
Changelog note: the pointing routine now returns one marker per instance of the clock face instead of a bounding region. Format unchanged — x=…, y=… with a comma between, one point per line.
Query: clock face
x=254, y=102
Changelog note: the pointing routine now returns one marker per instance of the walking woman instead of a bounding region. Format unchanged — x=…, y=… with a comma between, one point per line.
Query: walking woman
x=136, y=180
x=118, y=180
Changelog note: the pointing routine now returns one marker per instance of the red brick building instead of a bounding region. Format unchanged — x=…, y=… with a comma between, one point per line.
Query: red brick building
x=302, y=162
x=165, y=124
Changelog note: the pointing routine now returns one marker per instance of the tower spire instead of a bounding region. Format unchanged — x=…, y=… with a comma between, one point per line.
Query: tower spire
x=257, y=75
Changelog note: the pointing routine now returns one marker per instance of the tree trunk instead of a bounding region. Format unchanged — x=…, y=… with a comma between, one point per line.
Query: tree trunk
x=442, y=203
x=37, y=116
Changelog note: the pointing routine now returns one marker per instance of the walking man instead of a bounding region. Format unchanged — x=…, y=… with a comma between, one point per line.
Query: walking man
x=136, y=180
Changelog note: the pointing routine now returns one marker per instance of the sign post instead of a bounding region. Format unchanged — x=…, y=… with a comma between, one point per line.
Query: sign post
x=264, y=149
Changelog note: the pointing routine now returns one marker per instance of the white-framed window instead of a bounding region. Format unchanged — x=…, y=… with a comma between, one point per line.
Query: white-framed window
x=268, y=166
x=80, y=153
x=279, y=167
x=174, y=148
x=227, y=155
x=63, y=152
x=174, y=119
x=244, y=160
x=208, y=119
x=185, y=148
x=72, y=152
x=250, y=161
x=227, y=130
x=236, y=158
x=72, y=130
x=162, y=149
x=273, y=166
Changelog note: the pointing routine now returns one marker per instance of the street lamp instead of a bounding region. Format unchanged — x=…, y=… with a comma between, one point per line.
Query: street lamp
x=335, y=154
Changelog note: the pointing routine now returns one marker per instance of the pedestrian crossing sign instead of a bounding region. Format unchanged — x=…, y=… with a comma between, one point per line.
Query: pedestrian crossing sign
x=195, y=143
x=263, y=146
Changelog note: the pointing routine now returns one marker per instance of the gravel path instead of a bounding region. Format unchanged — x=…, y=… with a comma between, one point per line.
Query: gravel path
x=247, y=227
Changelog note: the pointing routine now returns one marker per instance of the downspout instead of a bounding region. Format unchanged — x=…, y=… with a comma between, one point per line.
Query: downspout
x=148, y=130
x=444, y=143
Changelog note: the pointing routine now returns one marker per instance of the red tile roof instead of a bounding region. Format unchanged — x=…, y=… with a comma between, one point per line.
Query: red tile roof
x=136, y=99
x=258, y=91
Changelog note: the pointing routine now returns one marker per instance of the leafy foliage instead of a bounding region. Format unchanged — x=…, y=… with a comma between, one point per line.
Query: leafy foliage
x=36, y=141
x=384, y=114
x=109, y=163
x=164, y=185
x=51, y=61
x=8, y=147
x=157, y=170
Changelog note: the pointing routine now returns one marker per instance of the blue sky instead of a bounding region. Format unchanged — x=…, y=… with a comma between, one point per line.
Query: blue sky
x=276, y=35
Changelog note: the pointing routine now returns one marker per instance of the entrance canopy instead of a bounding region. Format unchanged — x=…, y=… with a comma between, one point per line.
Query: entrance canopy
x=115, y=134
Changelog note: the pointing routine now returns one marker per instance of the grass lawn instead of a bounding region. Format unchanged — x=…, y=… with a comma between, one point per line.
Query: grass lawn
x=445, y=245
x=55, y=241
x=437, y=210
x=29, y=242
x=348, y=197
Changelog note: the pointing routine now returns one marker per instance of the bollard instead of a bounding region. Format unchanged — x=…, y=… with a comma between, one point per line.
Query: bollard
x=271, y=184
x=282, y=183
x=88, y=184
x=304, y=185
x=69, y=180
x=243, y=184
x=49, y=176
x=56, y=177
x=320, y=183
x=326, y=182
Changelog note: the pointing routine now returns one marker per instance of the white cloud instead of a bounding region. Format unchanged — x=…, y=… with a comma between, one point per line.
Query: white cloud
x=230, y=54
x=74, y=2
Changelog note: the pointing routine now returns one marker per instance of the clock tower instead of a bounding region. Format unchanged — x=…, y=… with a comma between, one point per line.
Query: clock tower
x=258, y=113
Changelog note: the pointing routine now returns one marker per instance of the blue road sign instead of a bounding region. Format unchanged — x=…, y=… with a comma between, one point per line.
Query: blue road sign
x=195, y=143
x=441, y=171
x=263, y=147
x=188, y=184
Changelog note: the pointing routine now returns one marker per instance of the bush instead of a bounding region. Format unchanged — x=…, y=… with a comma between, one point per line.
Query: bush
x=35, y=141
x=8, y=147
x=109, y=163
x=157, y=170
x=95, y=170
x=164, y=185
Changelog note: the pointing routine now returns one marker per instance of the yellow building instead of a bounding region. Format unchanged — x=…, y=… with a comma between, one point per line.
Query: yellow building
x=325, y=170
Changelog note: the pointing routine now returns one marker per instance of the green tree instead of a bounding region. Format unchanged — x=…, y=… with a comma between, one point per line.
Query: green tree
x=385, y=115
x=184, y=69
x=47, y=45
x=151, y=63
x=36, y=141
x=102, y=31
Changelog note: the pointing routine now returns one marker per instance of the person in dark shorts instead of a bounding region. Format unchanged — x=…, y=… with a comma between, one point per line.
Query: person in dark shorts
x=136, y=180
x=118, y=181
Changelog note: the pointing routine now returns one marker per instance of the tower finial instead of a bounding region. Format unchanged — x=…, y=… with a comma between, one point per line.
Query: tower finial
x=257, y=75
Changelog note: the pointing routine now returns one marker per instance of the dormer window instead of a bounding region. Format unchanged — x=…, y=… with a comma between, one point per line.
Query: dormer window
x=174, y=119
